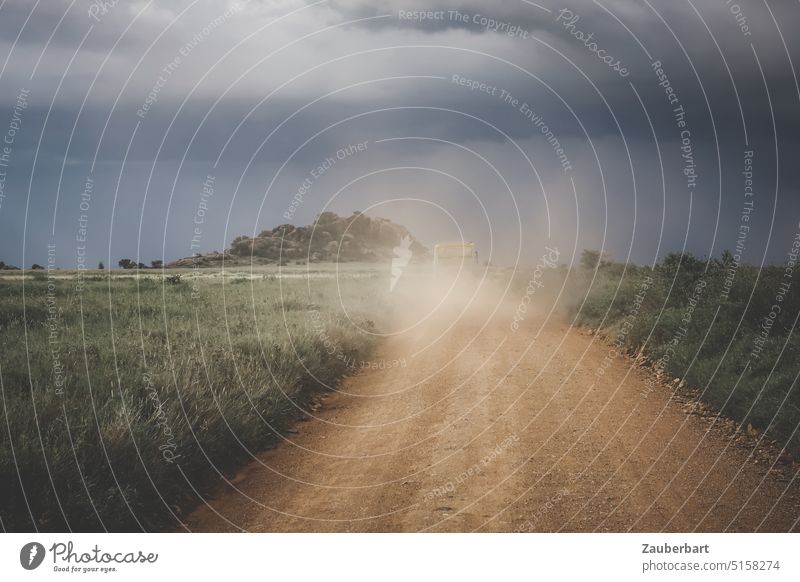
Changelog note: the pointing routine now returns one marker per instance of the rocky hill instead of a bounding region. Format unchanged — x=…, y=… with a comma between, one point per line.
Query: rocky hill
x=357, y=237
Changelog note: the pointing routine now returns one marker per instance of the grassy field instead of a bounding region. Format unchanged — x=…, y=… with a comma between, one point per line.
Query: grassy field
x=123, y=396
x=729, y=332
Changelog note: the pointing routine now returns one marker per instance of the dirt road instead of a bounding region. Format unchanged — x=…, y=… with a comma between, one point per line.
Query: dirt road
x=489, y=429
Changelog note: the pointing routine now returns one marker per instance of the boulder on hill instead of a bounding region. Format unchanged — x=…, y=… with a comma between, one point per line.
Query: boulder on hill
x=331, y=238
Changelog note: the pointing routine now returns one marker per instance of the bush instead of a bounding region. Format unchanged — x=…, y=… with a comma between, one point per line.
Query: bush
x=708, y=338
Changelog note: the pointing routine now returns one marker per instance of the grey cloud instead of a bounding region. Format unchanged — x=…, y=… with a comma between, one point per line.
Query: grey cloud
x=414, y=107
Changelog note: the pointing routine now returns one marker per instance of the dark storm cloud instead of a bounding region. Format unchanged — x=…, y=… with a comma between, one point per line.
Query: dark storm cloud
x=718, y=60
x=374, y=79
x=702, y=80
x=59, y=26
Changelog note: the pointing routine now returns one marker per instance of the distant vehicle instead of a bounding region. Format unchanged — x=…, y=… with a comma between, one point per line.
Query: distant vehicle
x=451, y=256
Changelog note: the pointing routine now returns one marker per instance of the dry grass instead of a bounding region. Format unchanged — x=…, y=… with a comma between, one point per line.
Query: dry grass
x=146, y=391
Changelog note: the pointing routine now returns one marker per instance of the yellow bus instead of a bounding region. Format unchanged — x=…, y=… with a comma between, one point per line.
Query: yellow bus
x=455, y=255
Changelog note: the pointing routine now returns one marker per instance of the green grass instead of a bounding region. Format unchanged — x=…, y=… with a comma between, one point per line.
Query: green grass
x=163, y=391
x=713, y=345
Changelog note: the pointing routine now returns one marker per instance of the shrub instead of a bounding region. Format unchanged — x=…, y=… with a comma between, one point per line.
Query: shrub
x=708, y=338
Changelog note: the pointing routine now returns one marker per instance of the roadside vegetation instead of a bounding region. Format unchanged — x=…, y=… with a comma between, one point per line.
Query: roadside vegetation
x=727, y=331
x=125, y=398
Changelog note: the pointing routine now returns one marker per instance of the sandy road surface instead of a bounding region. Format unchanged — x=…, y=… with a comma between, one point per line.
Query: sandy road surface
x=485, y=429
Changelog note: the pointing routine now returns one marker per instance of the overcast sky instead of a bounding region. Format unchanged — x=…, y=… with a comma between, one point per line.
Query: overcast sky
x=146, y=101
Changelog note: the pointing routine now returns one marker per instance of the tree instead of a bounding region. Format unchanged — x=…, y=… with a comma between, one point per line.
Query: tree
x=157, y=263
x=327, y=217
x=36, y=267
x=727, y=258
x=593, y=259
x=126, y=264
x=683, y=264
x=101, y=266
